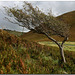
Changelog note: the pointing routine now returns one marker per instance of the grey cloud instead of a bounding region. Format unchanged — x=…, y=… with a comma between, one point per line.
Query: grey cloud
x=5, y=24
x=58, y=8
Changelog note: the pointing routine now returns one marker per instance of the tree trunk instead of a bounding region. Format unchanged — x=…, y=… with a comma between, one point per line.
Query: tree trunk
x=60, y=46
x=62, y=54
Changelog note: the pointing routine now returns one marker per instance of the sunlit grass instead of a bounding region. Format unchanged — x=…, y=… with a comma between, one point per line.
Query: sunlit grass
x=67, y=46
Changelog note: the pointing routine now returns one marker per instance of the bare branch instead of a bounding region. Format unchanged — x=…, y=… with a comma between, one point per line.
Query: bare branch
x=65, y=39
x=52, y=39
x=13, y=22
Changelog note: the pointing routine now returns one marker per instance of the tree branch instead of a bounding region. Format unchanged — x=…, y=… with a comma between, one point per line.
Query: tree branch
x=65, y=39
x=13, y=22
x=52, y=39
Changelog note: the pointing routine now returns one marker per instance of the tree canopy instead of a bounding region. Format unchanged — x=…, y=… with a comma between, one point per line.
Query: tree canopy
x=44, y=23
x=34, y=19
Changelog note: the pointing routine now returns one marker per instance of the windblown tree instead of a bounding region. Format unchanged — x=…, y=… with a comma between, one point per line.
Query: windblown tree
x=36, y=20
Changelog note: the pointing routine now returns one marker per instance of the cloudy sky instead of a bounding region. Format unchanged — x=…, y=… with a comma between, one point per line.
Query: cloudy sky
x=57, y=7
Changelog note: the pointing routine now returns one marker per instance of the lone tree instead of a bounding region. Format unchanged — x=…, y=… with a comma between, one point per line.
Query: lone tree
x=34, y=19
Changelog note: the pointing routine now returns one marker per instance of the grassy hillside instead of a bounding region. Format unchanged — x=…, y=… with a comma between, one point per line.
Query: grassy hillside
x=33, y=36
x=67, y=18
x=19, y=56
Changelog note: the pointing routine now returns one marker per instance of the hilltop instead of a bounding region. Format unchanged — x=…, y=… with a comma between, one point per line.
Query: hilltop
x=68, y=18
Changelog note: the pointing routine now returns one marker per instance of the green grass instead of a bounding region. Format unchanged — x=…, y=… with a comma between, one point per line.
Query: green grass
x=67, y=46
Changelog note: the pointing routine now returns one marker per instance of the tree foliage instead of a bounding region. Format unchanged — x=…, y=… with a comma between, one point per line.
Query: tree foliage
x=34, y=19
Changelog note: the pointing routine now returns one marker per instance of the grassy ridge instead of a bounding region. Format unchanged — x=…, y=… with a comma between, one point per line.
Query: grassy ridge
x=18, y=56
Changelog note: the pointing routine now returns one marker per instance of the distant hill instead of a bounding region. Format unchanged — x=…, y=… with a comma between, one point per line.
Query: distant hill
x=68, y=18
x=33, y=36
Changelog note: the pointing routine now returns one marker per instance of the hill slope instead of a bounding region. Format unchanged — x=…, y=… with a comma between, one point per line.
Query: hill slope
x=67, y=18
x=18, y=56
x=33, y=36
